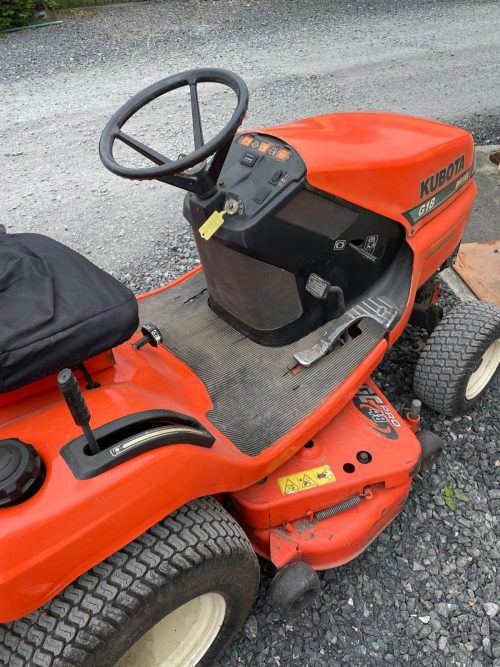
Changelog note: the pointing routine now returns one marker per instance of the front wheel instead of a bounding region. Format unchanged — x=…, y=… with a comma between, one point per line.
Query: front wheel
x=460, y=359
x=174, y=597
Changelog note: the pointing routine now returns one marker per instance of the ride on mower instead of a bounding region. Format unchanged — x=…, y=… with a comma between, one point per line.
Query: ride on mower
x=143, y=466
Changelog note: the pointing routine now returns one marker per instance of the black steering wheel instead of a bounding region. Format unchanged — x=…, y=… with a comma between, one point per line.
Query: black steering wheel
x=201, y=180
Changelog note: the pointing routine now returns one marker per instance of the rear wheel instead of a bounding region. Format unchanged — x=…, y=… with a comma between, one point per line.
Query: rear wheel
x=460, y=359
x=175, y=597
x=182, y=638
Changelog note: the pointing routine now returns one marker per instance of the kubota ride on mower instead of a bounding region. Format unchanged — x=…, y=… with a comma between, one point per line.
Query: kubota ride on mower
x=141, y=472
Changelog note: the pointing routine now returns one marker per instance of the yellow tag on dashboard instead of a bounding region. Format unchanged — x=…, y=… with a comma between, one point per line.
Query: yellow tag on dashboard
x=210, y=226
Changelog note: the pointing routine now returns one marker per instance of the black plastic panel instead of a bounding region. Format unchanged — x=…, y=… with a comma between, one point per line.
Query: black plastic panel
x=248, y=287
x=125, y=438
x=283, y=231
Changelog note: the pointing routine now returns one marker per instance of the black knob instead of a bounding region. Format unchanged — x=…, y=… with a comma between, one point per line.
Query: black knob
x=80, y=412
x=21, y=472
x=150, y=335
x=73, y=396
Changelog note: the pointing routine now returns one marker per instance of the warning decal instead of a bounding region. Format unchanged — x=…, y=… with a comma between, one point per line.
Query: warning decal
x=307, y=479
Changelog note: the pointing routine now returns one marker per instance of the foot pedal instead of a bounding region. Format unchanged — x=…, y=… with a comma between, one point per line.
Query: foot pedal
x=381, y=310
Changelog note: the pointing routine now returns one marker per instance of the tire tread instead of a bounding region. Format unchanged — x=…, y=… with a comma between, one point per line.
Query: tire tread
x=450, y=355
x=70, y=629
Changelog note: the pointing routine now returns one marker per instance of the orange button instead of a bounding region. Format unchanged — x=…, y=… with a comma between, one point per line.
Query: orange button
x=246, y=141
x=264, y=147
x=282, y=154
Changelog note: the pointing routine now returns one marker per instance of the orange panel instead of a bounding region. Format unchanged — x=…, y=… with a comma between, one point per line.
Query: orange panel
x=71, y=525
x=384, y=162
x=367, y=424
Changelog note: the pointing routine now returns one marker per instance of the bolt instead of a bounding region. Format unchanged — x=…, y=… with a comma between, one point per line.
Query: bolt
x=415, y=408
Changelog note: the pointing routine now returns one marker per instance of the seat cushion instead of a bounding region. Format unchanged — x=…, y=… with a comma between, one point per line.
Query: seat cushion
x=57, y=309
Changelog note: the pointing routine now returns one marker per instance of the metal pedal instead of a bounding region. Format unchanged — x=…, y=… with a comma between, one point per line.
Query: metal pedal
x=377, y=308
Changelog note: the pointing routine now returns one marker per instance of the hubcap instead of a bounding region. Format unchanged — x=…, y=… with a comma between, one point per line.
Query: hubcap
x=182, y=638
x=484, y=372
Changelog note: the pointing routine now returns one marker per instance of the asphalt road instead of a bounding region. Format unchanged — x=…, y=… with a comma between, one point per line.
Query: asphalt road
x=425, y=593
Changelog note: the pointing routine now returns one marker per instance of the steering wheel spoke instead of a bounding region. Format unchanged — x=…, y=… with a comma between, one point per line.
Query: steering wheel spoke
x=141, y=148
x=195, y=112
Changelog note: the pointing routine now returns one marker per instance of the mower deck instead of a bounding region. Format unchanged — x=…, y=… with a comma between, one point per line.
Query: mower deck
x=258, y=393
x=326, y=503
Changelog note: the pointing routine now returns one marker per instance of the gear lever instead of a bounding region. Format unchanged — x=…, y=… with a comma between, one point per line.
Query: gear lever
x=77, y=405
x=151, y=335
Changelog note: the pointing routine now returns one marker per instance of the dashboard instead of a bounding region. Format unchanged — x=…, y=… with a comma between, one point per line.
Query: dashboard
x=258, y=170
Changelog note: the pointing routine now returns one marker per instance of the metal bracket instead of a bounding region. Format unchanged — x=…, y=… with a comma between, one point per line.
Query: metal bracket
x=377, y=308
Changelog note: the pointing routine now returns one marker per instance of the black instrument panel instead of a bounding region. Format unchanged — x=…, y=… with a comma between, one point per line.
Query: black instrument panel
x=276, y=231
x=258, y=169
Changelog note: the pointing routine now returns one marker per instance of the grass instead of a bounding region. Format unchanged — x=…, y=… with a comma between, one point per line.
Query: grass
x=67, y=4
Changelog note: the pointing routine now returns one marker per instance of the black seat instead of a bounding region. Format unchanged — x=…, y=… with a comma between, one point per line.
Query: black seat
x=57, y=309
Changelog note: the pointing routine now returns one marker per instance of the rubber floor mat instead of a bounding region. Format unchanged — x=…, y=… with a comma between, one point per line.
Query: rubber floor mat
x=256, y=399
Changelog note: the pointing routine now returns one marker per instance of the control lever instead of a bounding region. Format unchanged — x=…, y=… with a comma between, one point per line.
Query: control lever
x=77, y=405
x=150, y=335
x=364, y=253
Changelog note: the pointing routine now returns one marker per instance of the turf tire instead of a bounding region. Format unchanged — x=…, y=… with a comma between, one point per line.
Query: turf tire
x=451, y=355
x=94, y=621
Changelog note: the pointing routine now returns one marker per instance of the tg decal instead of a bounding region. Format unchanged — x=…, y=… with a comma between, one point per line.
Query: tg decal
x=453, y=177
x=373, y=407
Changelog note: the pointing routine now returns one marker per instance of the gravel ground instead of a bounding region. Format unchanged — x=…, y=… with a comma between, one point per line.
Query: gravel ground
x=425, y=593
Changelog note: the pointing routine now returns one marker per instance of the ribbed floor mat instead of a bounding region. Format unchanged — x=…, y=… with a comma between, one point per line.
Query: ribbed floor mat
x=256, y=399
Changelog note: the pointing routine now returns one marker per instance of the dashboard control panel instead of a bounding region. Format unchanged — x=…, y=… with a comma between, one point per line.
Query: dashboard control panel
x=258, y=170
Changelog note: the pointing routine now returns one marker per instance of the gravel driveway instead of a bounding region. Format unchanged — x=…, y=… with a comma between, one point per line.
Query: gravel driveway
x=59, y=86
x=426, y=592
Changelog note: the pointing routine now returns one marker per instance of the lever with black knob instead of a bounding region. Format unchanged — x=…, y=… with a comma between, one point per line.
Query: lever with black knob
x=77, y=405
x=151, y=335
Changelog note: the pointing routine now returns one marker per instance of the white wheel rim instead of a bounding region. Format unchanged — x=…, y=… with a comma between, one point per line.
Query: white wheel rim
x=182, y=638
x=484, y=372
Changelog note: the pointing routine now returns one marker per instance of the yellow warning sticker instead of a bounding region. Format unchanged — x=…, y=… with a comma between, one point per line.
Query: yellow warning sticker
x=212, y=224
x=307, y=479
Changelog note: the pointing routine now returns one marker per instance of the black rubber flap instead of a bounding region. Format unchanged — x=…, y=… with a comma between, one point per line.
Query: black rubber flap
x=20, y=471
x=57, y=309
